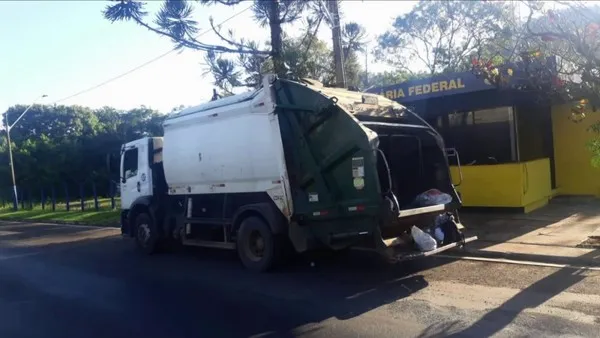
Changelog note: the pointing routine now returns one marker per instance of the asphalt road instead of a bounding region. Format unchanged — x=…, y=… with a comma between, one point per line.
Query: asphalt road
x=60, y=281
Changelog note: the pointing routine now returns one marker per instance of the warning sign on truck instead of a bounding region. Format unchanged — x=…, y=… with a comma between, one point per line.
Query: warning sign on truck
x=358, y=167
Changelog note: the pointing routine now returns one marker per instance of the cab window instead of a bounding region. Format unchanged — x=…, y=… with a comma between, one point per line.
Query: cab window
x=130, y=163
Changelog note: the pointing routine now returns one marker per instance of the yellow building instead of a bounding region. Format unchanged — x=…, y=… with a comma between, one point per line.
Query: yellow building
x=515, y=149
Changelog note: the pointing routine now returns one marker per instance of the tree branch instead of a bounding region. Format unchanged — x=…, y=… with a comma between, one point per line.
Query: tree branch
x=242, y=48
x=305, y=55
x=194, y=44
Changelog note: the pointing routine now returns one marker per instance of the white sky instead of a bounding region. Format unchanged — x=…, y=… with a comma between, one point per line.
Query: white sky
x=59, y=48
x=66, y=47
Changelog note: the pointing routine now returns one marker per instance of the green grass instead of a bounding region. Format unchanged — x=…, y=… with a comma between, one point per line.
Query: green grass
x=75, y=204
x=105, y=216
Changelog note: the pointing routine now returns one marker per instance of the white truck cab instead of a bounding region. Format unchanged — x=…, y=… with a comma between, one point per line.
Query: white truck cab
x=136, y=174
x=138, y=159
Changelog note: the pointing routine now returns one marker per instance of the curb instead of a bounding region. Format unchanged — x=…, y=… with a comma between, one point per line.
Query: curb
x=65, y=223
x=579, y=261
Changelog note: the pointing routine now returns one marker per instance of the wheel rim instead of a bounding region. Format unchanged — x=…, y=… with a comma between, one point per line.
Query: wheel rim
x=144, y=233
x=255, y=246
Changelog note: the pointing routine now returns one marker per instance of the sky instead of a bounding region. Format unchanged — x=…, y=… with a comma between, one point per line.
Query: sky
x=60, y=48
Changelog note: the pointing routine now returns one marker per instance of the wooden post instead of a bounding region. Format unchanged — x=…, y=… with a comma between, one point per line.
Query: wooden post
x=53, y=199
x=112, y=195
x=81, y=194
x=95, y=196
x=43, y=199
x=338, y=53
x=68, y=207
x=22, y=200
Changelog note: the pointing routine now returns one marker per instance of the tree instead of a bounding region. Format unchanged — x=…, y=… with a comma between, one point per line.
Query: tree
x=247, y=70
x=309, y=58
x=557, y=57
x=57, y=145
x=388, y=78
x=175, y=21
x=560, y=52
x=353, y=42
x=440, y=36
x=305, y=57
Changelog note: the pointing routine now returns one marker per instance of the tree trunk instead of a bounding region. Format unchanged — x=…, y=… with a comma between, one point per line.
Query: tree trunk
x=338, y=53
x=276, y=41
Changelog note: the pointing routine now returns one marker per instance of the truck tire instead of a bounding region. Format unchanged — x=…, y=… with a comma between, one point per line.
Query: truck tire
x=257, y=246
x=146, y=236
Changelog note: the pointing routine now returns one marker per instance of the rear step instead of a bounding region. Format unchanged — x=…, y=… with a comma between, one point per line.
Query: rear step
x=423, y=210
x=404, y=256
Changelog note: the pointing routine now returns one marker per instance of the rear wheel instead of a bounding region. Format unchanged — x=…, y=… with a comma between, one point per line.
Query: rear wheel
x=146, y=234
x=258, y=248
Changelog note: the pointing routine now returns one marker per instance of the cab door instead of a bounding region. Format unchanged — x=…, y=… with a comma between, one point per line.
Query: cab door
x=136, y=172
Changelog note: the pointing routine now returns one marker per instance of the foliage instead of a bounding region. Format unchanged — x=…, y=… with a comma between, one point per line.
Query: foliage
x=553, y=53
x=557, y=56
x=388, y=78
x=440, y=36
x=175, y=21
x=239, y=63
x=560, y=52
x=305, y=57
x=71, y=144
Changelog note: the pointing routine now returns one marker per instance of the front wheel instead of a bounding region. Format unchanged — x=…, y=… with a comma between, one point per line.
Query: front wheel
x=146, y=236
x=258, y=248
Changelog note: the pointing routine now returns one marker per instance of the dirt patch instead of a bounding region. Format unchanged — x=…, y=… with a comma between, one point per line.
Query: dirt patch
x=592, y=242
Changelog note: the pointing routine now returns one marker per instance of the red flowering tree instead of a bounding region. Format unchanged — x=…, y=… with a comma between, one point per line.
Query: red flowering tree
x=556, y=52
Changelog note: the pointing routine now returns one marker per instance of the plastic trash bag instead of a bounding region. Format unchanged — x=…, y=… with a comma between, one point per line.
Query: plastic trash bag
x=424, y=241
x=432, y=197
x=438, y=234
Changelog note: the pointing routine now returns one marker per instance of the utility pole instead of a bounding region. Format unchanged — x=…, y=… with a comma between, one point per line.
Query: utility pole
x=12, y=166
x=10, y=155
x=366, y=66
x=338, y=54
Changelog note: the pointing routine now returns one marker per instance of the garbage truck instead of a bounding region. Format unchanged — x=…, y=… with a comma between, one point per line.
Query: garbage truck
x=296, y=165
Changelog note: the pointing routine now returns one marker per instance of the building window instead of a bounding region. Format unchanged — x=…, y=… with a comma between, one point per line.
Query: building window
x=457, y=119
x=482, y=136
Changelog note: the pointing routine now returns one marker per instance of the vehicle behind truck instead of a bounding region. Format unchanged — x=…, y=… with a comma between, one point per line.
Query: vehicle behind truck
x=289, y=165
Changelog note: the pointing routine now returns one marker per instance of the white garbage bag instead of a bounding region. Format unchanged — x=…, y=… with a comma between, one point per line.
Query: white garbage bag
x=424, y=241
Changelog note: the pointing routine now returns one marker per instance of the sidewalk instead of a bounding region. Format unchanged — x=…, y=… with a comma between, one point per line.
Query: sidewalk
x=567, y=231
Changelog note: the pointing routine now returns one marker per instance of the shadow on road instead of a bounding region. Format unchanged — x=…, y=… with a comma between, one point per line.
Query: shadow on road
x=177, y=293
x=494, y=227
x=533, y=296
x=530, y=297
x=180, y=293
